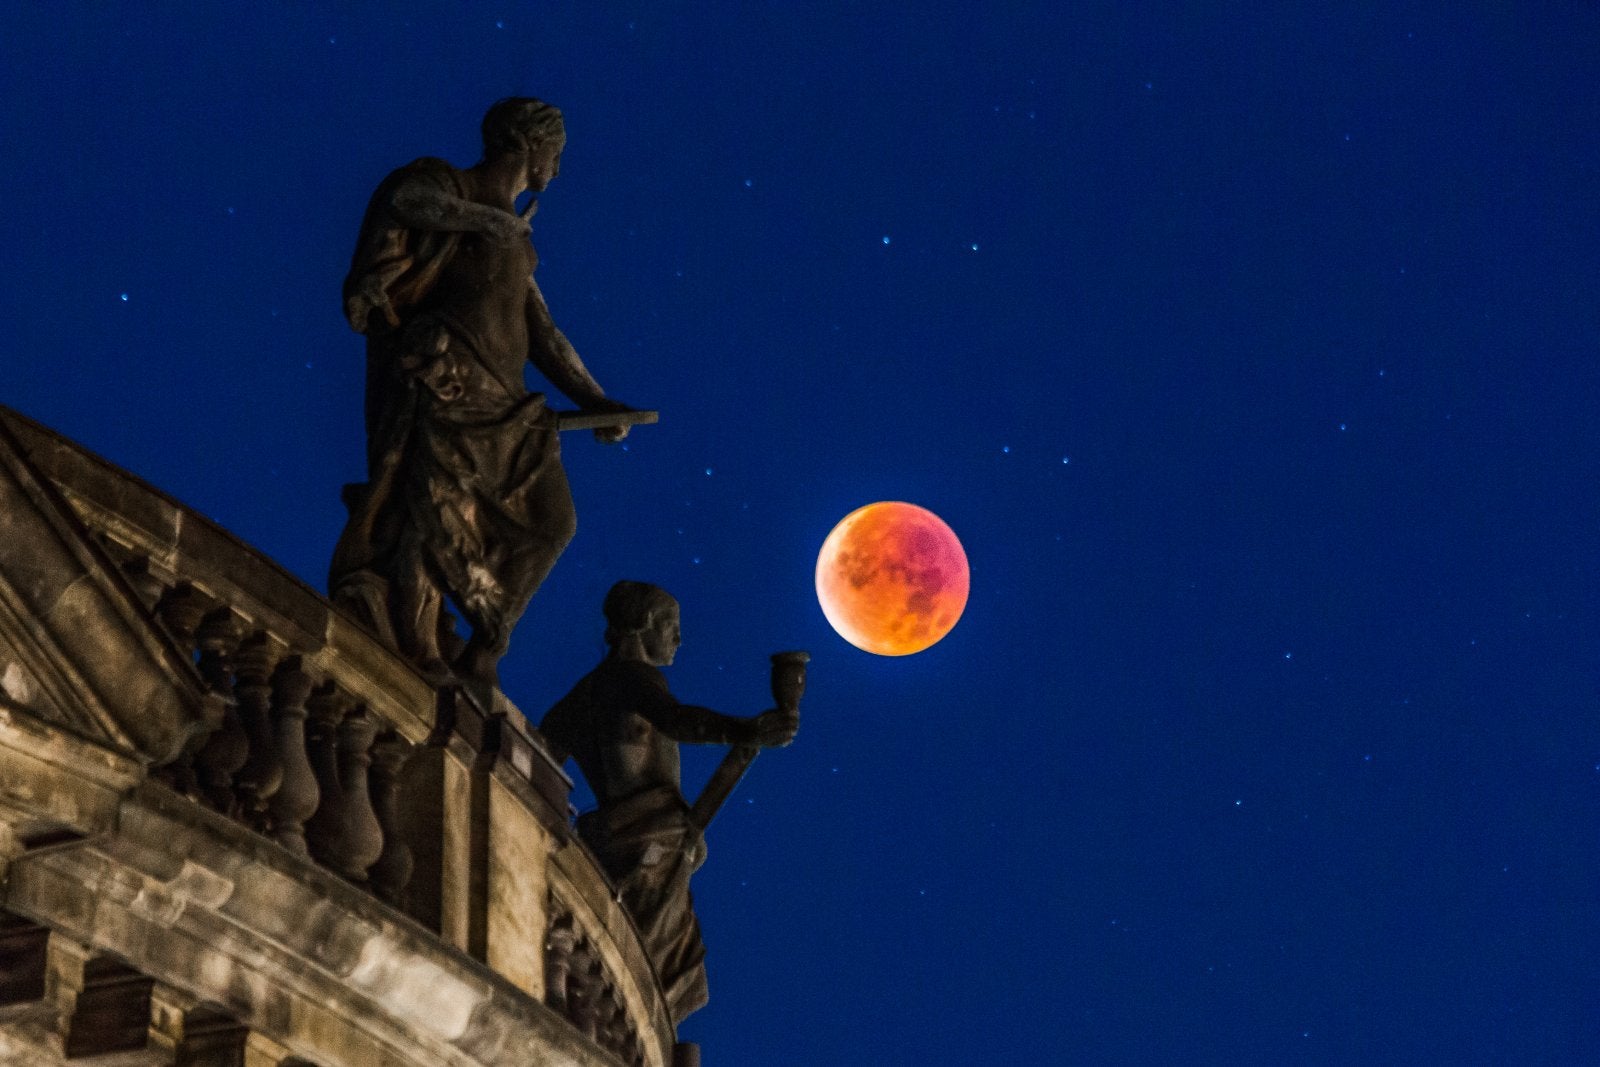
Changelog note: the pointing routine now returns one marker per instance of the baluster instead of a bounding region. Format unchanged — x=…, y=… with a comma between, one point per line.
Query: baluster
x=360, y=835
x=258, y=780
x=613, y=1024
x=392, y=871
x=226, y=750
x=583, y=998
x=325, y=827
x=180, y=609
x=559, y=944
x=297, y=795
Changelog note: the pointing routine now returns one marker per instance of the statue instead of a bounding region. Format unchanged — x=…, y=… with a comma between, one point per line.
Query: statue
x=622, y=725
x=465, y=496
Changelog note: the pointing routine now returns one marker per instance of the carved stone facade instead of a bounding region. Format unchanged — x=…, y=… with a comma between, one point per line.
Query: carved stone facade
x=237, y=830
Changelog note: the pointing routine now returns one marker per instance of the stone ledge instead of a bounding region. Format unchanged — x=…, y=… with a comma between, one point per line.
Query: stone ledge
x=53, y=781
x=203, y=905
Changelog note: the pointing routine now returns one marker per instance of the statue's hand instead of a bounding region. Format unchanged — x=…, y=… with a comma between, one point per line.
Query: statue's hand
x=608, y=435
x=775, y=728
x=369, y=297
x=508, y=228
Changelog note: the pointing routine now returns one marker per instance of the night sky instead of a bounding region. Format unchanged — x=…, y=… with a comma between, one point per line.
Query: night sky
x=1250, y=350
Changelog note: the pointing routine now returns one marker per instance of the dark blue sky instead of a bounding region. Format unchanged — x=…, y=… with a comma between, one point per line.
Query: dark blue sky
x=1251, y=352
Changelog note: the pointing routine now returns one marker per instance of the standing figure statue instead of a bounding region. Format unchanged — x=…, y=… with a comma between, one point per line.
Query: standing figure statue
x=623, y=725
x=465, y=496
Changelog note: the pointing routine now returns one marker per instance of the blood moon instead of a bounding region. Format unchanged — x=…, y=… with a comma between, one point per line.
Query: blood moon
x=892, y=578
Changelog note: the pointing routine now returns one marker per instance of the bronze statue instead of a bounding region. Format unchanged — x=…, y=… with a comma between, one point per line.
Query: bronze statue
x=623, y=725
x=466, y=496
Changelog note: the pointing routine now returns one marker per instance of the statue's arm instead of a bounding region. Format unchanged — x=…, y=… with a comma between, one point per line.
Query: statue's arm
x=694, y=725
x=555, y=358
x=561, y=723
x=422, y=205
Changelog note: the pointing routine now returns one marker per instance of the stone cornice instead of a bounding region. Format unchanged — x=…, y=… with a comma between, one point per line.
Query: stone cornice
x=232, y=919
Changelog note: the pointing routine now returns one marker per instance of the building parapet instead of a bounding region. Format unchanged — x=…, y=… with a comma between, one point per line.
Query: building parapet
x=316, y=812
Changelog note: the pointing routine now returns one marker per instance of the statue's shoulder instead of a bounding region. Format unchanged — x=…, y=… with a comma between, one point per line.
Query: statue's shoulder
x=631, y=675
x=429, y=170
x=387, y=257
x=613, y=683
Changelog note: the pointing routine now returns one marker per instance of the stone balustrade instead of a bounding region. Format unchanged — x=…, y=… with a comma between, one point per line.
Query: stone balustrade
x=440, y=805
x=579, y=986
x=291, y=751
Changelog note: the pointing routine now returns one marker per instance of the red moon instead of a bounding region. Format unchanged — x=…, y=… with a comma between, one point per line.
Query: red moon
x=892, y=578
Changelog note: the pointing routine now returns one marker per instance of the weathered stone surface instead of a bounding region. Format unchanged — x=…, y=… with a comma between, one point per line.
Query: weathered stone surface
x=78, y=632
x=26, y=683
x=377, y=678
x=519, y=854
x=464, y=853
x=53, y=782
x=421, y=813
x=28, y=1035
x=331, y=973
x=391, y=872
x=262, y=774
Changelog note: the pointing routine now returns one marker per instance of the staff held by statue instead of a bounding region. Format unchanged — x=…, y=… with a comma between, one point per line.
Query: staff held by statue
x=788, y=683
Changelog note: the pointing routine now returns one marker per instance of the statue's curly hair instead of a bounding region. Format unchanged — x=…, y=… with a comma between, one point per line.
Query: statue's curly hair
x=632, y=607
x=517, y=123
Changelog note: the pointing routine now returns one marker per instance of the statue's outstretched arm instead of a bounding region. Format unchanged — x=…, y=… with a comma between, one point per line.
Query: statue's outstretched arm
x=422, y=206
x=694, y=725
x=555, y=358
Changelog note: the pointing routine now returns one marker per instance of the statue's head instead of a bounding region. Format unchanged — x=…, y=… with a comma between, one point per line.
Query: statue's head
x=529, y=128
x=518, y=123
x=642, y=620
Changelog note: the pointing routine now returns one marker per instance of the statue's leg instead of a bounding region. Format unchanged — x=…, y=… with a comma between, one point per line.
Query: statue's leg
x=417, y=609
x=527, y=562
x=361, y=575
x=658, y=898
x=356, y=581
